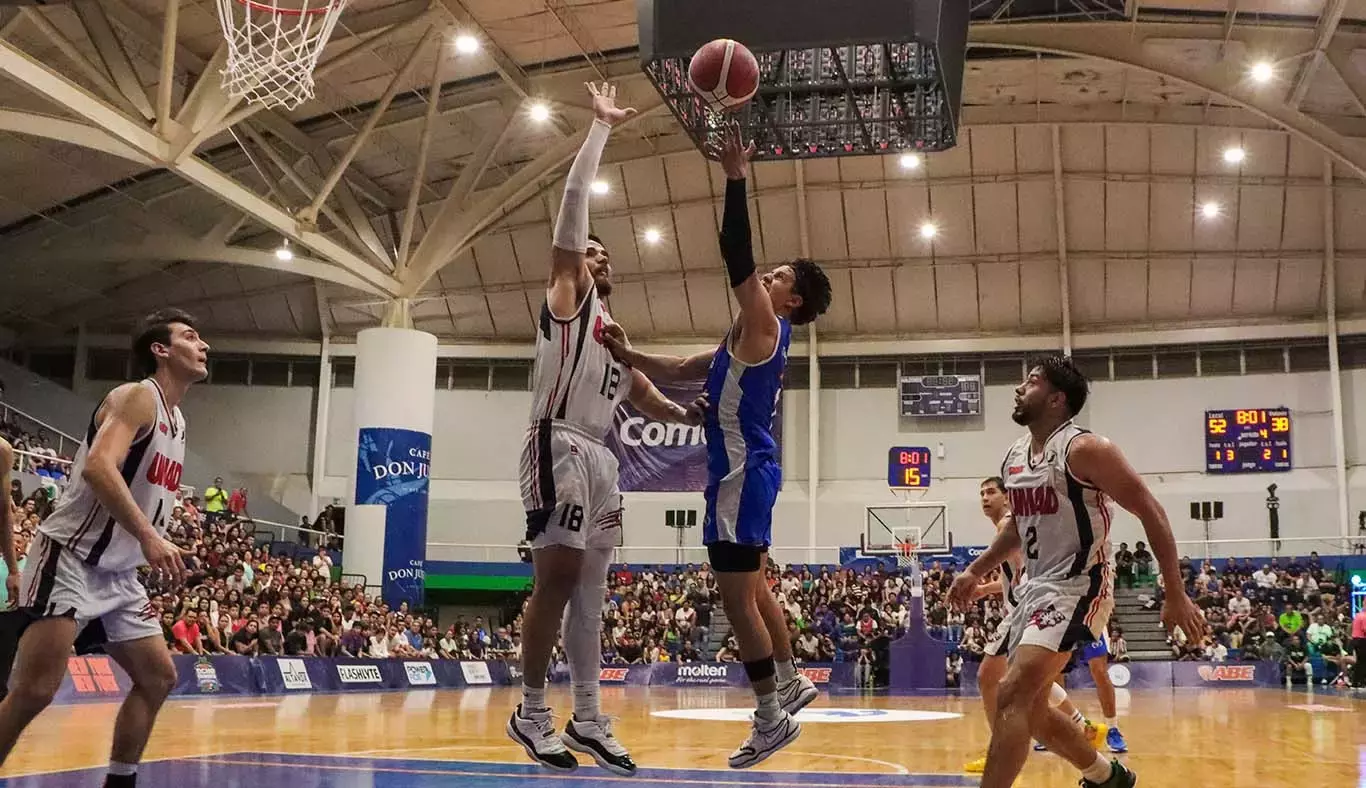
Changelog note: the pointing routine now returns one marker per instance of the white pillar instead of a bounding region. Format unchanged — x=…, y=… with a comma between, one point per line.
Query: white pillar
x=395, y=396
x=813, y=443
x=322, y=412
x=1334, y=369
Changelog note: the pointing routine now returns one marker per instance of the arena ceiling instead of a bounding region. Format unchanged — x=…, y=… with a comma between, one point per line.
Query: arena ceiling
x=1098, y=122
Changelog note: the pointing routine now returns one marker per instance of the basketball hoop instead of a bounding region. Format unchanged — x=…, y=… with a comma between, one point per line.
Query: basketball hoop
x=272, y=50
x=905, y=554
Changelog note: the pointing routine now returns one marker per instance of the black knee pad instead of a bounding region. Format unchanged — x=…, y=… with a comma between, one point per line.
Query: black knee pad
x=732, y=557
x=761, y=669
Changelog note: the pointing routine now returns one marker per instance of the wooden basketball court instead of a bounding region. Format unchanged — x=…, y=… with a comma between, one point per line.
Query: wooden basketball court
x=1269, y=738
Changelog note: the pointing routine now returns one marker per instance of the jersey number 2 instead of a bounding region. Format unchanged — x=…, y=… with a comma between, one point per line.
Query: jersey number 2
x=1031, y=543
x=611, y=376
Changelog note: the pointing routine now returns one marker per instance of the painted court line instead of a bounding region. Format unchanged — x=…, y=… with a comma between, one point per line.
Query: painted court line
x=530, y=772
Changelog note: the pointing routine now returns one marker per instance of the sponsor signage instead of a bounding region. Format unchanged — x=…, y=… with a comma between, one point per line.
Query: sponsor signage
x=613, y=675
x=476, y=673
x=359, y=674
x=1228, y=673
x=701, y=673
x=420, y=674
x=393, y=470
x=93, y=676
x=294, y=674
x=205, y=676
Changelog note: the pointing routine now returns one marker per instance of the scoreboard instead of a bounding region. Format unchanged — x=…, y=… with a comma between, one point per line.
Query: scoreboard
x=908, y=466
x=941, y=395
x=1251, y=440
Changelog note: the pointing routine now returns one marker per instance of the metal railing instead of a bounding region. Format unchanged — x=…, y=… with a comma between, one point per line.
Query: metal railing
x=1289, y=546
x=27, y=462
x=66, y=444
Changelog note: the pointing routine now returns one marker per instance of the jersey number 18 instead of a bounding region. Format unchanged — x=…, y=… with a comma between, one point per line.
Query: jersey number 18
x=611, y=376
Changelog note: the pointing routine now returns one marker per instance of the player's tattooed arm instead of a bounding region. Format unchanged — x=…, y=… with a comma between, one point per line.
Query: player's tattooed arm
x=129, y=412
x=650, y=401
x=6, y=526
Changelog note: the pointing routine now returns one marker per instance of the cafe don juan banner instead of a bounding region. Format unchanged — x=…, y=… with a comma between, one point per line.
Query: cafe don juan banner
x=660, y=457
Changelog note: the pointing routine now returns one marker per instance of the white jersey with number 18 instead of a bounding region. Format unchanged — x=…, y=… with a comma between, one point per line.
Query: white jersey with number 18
x=575, y=379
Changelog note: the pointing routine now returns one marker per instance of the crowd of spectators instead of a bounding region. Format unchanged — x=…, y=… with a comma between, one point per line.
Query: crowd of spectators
x=1293, y=612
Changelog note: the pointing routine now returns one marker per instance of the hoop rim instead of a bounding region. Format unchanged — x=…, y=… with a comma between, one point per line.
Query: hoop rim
x=271, y=9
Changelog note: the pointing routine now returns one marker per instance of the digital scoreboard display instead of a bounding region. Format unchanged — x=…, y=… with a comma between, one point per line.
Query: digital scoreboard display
x=941, y=395
x=1247, y=441
x=908, y=466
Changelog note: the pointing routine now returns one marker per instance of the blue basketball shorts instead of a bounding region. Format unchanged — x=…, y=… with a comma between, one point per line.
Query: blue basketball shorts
x=740, y=506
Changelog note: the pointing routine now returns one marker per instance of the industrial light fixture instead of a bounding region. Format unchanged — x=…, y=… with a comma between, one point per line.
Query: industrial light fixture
x=910, y=161
x=652, y=235
x=466, y=44
x=1262, y=71
x=1234, y=154
x=1209, y=210
x=600, y=187
x=540, y=112
x=928, y=231
x=283, y=253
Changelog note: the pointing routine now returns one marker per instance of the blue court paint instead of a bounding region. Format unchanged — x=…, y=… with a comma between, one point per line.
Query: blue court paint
x=270, y=770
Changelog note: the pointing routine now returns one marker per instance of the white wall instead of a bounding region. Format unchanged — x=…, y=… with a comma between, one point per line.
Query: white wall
x=1158, y=424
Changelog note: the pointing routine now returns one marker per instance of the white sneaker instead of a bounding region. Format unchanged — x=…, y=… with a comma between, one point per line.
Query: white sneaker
x=768, y=737
x=796, y=694
x=536, y=733
x=594, y=737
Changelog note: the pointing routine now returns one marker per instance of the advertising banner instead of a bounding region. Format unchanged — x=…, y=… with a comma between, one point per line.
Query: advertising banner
x=1129, y=675
x=1226, y=674
x=659, y=457
x=221, y=675
x=392, y=470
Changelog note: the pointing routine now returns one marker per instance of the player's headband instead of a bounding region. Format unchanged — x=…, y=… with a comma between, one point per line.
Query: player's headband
x=595, y=245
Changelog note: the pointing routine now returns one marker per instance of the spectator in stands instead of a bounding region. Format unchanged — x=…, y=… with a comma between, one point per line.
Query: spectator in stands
x=1119, y=647
x=953, y=669
x=246, y=641
x=355, y=639
x=297, y=642
x=272, y=640
x=186, y=637
x=1296, y=663
x=729, y=651
x=237, y=503
x=1143, y=560
x=1124, y=565
x=689, y=653
x=1290, y=623
x=215, y=502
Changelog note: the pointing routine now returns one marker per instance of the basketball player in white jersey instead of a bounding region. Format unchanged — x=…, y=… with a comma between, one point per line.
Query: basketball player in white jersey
x=569, y=478
x=80, y=585
x=993, y=668
x=1058, y=478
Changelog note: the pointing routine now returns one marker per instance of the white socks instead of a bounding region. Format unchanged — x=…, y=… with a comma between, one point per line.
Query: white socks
x=586, y=705
x=1099, y=771
x=1113, y=722
x=768, y=706
x=533, y=699
x=122, y=769
x=787, y=671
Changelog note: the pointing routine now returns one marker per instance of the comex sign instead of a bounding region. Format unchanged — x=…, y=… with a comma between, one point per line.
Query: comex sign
x=637, y=431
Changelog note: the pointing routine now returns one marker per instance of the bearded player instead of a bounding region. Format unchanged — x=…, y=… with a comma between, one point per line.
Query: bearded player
x=80, y=585
x=569, y=478
x=1058, y=478
x=996, y=507
x=744, y=382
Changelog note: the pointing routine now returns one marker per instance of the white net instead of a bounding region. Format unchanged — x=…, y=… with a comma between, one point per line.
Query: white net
x=273, y=49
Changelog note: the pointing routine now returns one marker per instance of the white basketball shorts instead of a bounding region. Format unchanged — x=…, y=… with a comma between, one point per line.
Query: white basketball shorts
x=57, y=583
x=569, y=488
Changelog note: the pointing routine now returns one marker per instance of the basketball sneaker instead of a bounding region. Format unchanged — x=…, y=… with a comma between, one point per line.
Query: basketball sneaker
x=796, y=693
x=594, y=737
x=767, y=737
x=1120, y=777
x=536, y=733
x=976, y=767
x=1115, y=740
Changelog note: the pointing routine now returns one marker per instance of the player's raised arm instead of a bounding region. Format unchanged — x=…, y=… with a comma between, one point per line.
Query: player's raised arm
x=1107, y=470
x=569, y=276
x=127, y=413
x=7, y=527
x=649, y=400
x=757, y=321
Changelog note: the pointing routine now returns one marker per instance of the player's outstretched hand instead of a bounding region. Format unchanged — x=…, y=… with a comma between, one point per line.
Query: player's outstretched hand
x=734, y=152
x=605, y=104
x=614, y=339
x=1179, y=610
x=12, y=588
x=164, y=557
x=697, y=411
x=964, y=589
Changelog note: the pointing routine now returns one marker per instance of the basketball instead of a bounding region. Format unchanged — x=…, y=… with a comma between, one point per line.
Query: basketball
x=724, y=73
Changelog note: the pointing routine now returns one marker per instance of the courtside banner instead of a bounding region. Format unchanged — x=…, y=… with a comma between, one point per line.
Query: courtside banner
x=1128, y=675
x=392, y=470
x=226, y=675
x=659, y=457
x=1226, y=674
x=92, y=678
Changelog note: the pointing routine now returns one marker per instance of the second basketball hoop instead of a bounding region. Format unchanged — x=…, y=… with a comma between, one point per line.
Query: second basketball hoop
x=273, y=48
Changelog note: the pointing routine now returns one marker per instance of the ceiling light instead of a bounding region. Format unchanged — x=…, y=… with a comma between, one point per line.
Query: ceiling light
x=1234, y=155
x=1209, y=210
x=910, y=161
x=928, y=230
x=540, y=112
x=466, y=44
x=284, y=253
x=1262, y=71
x=652, y=236
x=600, y=187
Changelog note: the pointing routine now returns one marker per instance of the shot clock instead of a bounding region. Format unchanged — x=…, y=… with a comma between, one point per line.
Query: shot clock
x=1251, y=440
x=908, y=466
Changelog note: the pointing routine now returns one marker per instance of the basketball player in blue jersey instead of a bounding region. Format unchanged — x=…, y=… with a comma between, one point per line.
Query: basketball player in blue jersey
x=743, y=382
x=1060, y=478
x=81, y=586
